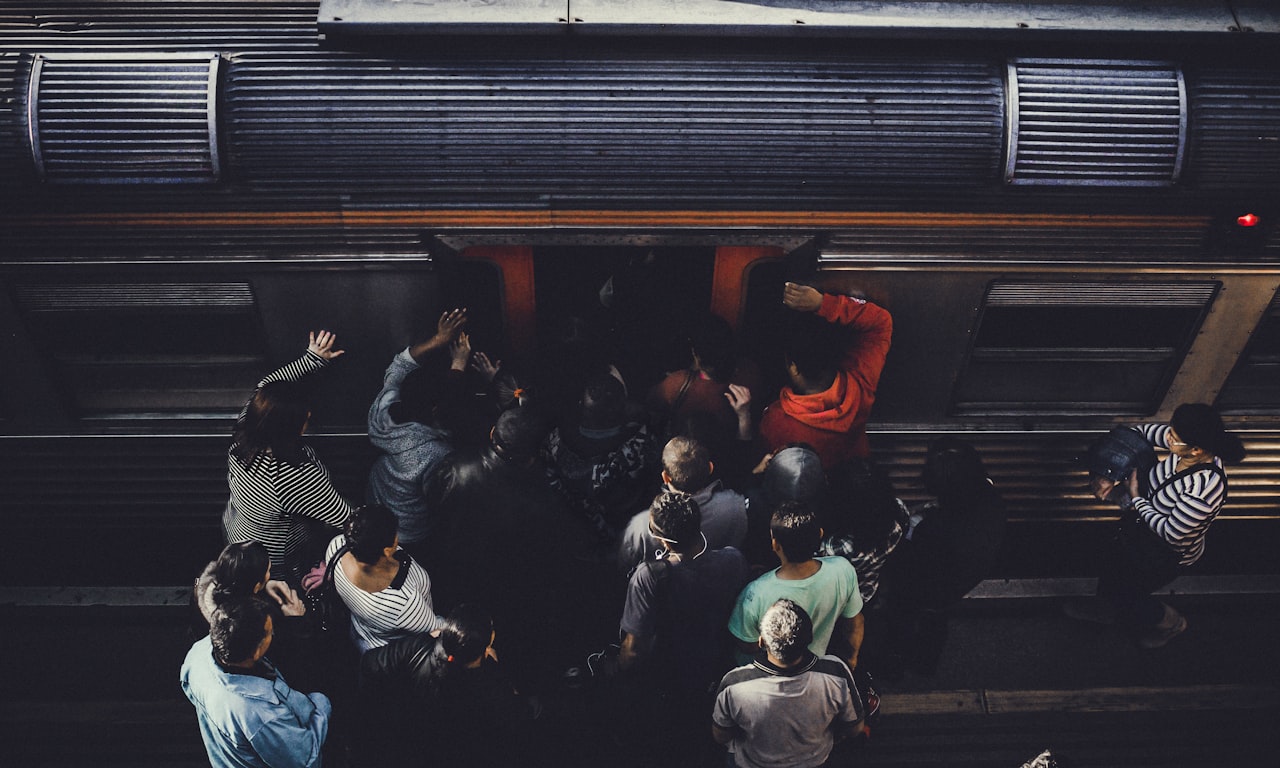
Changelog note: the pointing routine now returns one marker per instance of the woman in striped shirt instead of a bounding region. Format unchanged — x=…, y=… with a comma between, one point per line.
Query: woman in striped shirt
x=388, y=594
x=1183, y=494
x=279, y=489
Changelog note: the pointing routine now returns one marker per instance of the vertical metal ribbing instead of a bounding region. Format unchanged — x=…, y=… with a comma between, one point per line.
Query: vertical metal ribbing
x=1235, y=139
x=1078, y=122
x=125, y=118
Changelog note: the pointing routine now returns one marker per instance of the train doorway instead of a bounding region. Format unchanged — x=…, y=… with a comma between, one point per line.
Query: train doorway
x=637, y=301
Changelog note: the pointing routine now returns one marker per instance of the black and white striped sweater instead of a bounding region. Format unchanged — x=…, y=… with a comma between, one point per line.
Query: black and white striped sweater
x=271, y=496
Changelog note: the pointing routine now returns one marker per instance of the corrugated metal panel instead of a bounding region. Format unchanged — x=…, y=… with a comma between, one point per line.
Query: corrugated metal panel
x=164, y=481
x=119, y=296
x=1039, y=477
x=720, y=131
x=135, y=118
x=223, y=241
x=1117, y=123
x=1235, y=127
x=158, y=25
x=1084, y=293
x=1030, y=243
x=181, y=481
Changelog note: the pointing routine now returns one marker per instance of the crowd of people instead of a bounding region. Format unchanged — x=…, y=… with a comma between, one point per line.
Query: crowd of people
x=731, y=549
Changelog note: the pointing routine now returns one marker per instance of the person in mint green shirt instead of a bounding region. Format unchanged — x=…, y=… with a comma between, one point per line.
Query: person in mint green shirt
x=825, y=587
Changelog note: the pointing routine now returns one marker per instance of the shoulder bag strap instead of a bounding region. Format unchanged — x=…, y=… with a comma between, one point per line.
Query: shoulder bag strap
x=1208, y=465
x=331, y=565
x=684, y=391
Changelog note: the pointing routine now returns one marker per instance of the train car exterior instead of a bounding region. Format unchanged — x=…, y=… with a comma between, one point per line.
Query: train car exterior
x=1073, y=228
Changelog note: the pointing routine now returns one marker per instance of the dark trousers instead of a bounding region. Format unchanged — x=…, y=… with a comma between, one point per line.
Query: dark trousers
x=1140, y=563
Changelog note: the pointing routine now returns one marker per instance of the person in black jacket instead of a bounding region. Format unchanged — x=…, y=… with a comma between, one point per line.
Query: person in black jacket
x=510, y=543
x=951, y=545
x=442, y=699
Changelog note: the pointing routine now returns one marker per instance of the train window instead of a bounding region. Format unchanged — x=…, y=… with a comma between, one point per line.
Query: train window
x=1099, y=348
x=148, y=350
x=1254, y=385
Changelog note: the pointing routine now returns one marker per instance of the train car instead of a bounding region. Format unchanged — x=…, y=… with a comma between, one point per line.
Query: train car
x=1070, y=213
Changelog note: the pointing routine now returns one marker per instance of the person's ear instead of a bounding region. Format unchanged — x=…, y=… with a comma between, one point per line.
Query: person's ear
x=666, y=478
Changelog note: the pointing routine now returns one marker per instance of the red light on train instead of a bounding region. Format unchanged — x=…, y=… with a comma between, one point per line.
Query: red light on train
x=1247, y=220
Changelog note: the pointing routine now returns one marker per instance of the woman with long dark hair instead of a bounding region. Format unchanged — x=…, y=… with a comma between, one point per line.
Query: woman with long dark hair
x=1164, y=523
x=241, y=571
x=279, y=489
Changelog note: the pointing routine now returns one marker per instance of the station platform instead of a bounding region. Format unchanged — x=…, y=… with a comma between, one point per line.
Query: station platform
x=91, y=678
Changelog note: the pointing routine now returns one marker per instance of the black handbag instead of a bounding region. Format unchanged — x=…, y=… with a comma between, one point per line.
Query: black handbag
x=323, y=600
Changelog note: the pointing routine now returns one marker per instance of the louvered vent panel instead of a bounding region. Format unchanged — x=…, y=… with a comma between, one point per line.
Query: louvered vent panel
x=721, y=131
x=49, y=26
x=1101, y=294
x=1047, y=243
x=1236, y=128
x=121, y=296
x=1111, y=123
x=126, y=119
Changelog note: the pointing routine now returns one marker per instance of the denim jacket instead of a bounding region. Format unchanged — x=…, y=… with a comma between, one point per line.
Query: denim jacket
x=250, y=720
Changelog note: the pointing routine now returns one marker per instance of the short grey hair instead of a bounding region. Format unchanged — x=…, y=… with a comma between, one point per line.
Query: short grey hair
x=786, y=630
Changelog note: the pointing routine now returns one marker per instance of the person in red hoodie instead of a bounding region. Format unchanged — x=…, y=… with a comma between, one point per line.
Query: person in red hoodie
x=828, y=400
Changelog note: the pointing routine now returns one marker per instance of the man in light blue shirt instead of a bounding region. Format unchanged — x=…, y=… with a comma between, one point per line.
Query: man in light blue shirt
x=249, y=716
x=825, y=587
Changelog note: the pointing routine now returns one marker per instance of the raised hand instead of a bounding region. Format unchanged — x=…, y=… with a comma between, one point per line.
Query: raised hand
x=461, y=352
x=739, y=398
x=450, y=324
x=487, y=368
x=447, y=329
x=321, y=343
x=759, y=468
x=802, y=298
